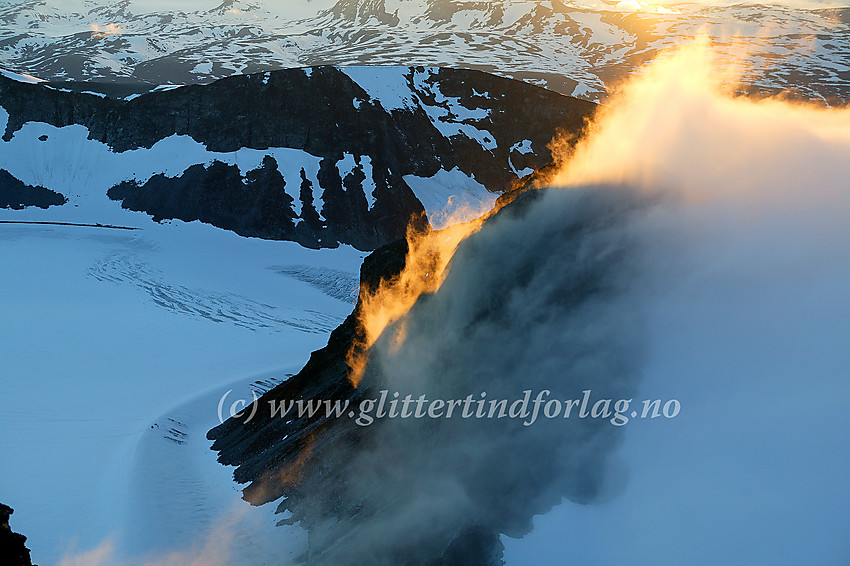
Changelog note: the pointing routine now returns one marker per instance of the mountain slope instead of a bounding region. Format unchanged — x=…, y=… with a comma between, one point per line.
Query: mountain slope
x=322, y=156
x=440, y=489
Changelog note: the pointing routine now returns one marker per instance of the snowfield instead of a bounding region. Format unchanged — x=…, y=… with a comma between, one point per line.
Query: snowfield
x=104, y=332
x=67, y=161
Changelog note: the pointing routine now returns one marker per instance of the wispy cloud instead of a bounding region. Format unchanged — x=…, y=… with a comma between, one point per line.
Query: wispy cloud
x=109, y=29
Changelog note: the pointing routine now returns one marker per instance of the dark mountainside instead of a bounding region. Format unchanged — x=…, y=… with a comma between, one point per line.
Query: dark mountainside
x=13, y=549
x=17, y=195
x=425, y=492
x=325, y=113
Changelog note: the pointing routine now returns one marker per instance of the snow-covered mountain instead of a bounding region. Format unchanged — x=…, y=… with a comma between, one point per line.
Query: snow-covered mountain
x=579, y=47
x=322, y=156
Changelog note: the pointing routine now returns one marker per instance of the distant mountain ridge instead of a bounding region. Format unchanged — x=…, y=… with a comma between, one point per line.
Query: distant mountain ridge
x=322, y=156
x=576, y=47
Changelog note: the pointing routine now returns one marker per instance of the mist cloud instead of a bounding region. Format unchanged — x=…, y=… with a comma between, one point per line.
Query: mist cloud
x=745, y=296
x=698, y=238
x=537, y=299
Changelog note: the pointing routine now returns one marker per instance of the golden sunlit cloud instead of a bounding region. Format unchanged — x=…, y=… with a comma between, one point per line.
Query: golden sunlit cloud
x=424, y=271
x=103, y=31
x=649, y=5
x=646, y=7
x=101, y=555
x=679, y=126
x=213, y=549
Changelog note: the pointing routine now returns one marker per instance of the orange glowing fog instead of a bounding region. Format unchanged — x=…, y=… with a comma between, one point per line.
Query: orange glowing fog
x=676, y=127
x=425, y=269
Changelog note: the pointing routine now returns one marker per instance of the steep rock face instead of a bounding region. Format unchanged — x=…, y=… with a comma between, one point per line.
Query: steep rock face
x=256, y=205
x=17, y=195
x=427, y=492
x=256, y=446
x=335, y=155
x=13, y=549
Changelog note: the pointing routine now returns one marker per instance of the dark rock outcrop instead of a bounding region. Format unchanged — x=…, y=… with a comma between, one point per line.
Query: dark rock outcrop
x=18, y=195
x=447, y=488
x=256, y=205
x=13, y=549
x=255, y=446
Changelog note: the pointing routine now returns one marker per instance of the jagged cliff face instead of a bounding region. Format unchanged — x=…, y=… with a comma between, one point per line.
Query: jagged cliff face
x=13, y=550
x=322, y=156
x=437, y=491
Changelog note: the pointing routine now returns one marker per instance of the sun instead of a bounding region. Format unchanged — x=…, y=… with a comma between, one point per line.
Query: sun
x=645, y=7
